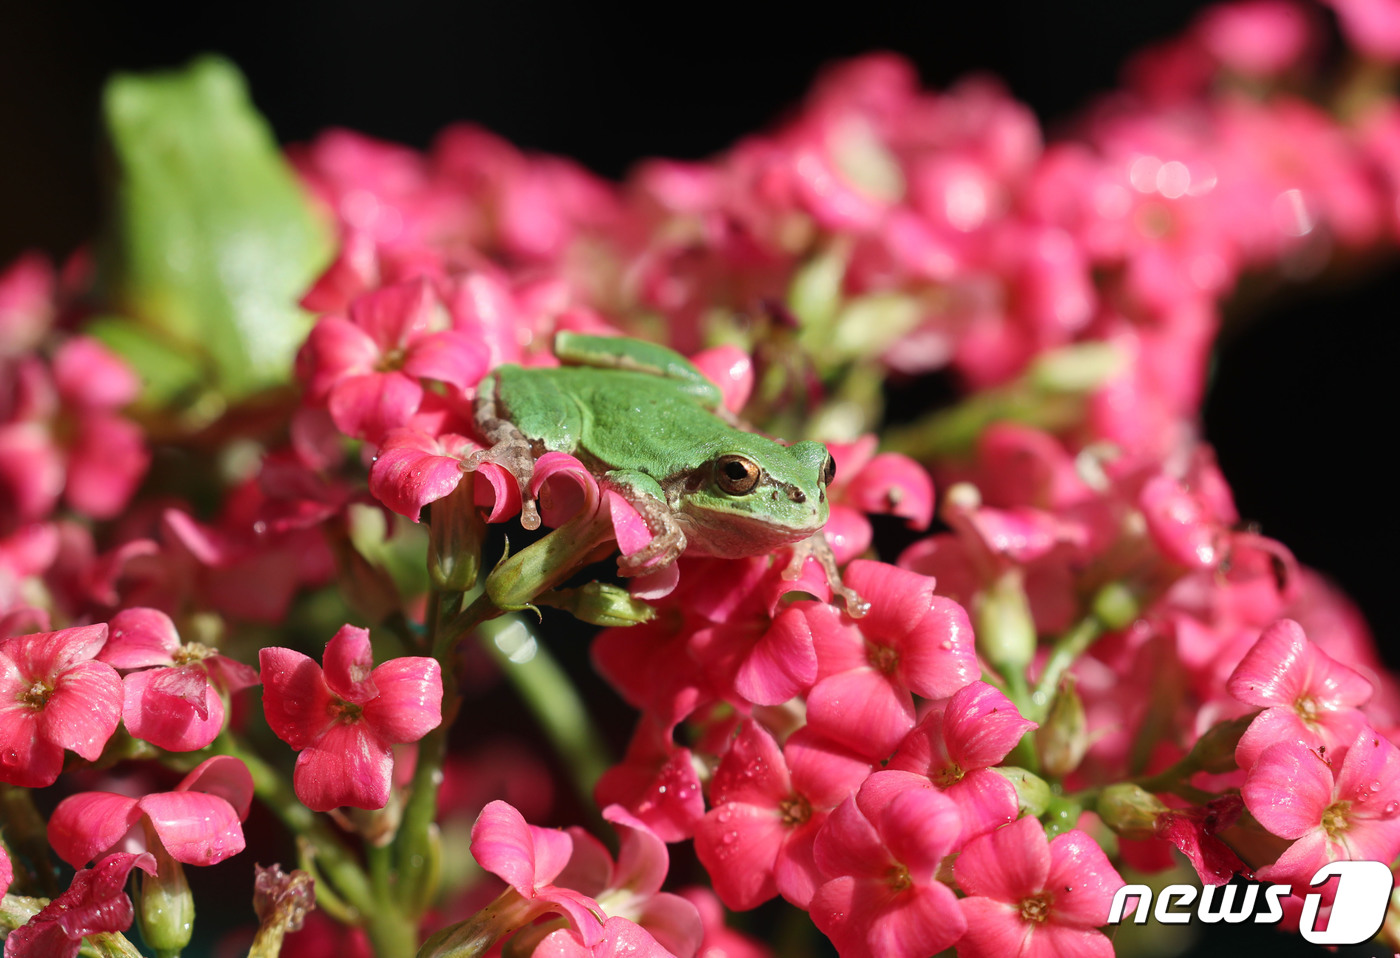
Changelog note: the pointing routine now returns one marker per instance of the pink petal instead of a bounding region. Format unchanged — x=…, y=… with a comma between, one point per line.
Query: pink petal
x=753, y=771
x=138, y=638
x=230, y=674
x=920, y=825
x=1081, y=880
x=981, y=725
x=349, y=665
x=336, y=348
x=26, y=759
x=1283, y=666
x=347, y=766
x=849, y=845
x=628, y=526
x=1010, y=864
x=84, y=709
x=171, y=721
x=106, y=462
x=449, y=357
x=1288, y=789
x=49, y=653
x=938, y=658
x=85, y=825
x=782, y=663
x=1181, y=524
x=7, y=872
x=296, y=701
x=674, y=923
x=590, y=868
x=409, y=473
x=924, y=920
x=395, y=316
x=369, y=406
x=825, y=773
x=985, y=799
x=848, y=533
x=499, y=495
x=861, y=710
x=894, y=484
x=224, y=776
x=738, y=845
x=522, y=856
x=195, y=828
x=409, y=704
x=729, y=368
x=1053, y=940
x=565, y=488
x=995, y=929
x=1370, y=777
x=656, y=585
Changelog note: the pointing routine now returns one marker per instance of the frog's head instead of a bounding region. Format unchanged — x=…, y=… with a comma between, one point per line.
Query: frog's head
x=755, y=495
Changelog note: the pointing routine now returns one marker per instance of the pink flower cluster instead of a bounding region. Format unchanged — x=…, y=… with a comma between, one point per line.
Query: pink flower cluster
x=1091, y=663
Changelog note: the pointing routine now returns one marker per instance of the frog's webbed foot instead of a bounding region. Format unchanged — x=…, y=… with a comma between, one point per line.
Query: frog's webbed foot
x=816, y=547
x=516, y=456
x=667, y=537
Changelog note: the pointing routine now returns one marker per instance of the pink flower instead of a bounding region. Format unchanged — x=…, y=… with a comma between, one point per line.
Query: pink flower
x=657, y=782
x=955, y=746
x=198, y=823
x=1341, y=805
x=177, y=705
x=620, y=939
x=869, y=669
x=630, y=888
x=53, y=696
x=414, y=469
x=367, y=369
x=528, y=859
x=720, y=940
x=1372, y=26
x=1029, y=898
x=1307, y=696
x=343, y=719
x=93, y=903
x=881, y=853
x=1193, y=832
x=7, y=872
x=767, y=807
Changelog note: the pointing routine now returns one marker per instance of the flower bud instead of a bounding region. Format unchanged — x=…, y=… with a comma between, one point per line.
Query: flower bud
x=1033, y=795
x=1061, y=815
x=1063, y=737
x=1116, y=606
x=281, y=901
x=454, y=543
x=1130, y=810
x=1215, y=750
x=165, y=907
x=1079, y=368
x=1005, y=630
x=599, y=603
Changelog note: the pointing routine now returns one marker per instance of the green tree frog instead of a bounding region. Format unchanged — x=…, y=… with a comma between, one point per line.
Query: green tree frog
x=652, y=428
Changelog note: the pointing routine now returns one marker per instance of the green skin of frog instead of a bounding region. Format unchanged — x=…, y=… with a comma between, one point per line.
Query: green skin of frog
x=649, y=426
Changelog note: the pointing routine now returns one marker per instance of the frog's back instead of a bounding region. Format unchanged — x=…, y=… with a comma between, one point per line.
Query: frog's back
x=618, y=418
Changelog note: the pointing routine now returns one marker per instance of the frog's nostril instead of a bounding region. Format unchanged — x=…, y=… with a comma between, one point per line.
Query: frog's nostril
x=797, y=495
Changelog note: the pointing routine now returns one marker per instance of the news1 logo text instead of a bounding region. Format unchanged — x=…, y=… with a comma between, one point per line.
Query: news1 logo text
x=1358, y=908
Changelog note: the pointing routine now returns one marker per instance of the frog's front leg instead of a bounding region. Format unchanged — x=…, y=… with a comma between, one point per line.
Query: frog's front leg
x=509, y=449
x=816, y=547
x=645, y=494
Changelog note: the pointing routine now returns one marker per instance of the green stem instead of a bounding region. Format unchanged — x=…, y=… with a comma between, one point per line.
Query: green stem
x=333, y=858
x=1067, y=648
x=552, y=699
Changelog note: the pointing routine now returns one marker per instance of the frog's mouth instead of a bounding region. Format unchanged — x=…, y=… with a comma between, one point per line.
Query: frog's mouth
x=738, y=533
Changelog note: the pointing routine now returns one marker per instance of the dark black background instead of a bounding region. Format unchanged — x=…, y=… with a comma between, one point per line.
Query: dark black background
x=1300, y=409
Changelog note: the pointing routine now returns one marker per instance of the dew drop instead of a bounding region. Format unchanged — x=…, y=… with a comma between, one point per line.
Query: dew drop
x=1391, y=808
x=1375, y=786
x=946, y=645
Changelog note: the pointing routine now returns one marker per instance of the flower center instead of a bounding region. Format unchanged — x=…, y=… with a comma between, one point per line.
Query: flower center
x=1036, y=909
x=347, y=713
x=1306, y=707
x=191, y=652
x=898, y=878
x=36, y=696
x=948, y=775
x=391, y=360
x=795, y=811
x=1336, y=819
x=882, y=657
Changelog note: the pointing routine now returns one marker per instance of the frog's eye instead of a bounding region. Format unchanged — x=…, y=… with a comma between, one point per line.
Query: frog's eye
x=828, y=470
x=736, y=475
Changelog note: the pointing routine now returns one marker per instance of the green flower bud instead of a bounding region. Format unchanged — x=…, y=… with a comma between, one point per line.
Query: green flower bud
x=1005, y=630
x=1063, y=737
x=1079, y=368
x=1033, y=795
x=1061, y=815
x=1116, y=606
x=164, y=905
x=1129, y=810
x=600, y=603
x=454, y=544
x=1215, y=750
